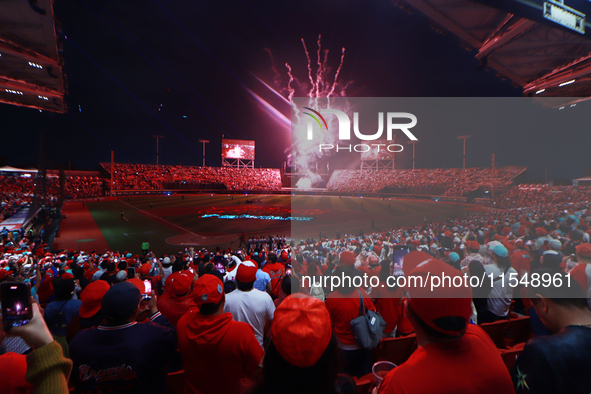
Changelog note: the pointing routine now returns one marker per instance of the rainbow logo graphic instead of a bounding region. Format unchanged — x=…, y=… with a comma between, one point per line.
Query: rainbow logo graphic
x=315, y=118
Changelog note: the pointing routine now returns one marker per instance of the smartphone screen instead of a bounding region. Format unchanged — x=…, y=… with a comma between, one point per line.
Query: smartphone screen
x=16, y=304
x=130, y=272
x=148, y=286
x=155, y=260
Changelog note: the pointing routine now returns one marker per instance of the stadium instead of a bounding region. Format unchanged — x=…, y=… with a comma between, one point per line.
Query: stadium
x=197, y=214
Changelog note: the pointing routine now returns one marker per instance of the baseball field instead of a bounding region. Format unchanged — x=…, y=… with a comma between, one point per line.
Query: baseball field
x=172, y=223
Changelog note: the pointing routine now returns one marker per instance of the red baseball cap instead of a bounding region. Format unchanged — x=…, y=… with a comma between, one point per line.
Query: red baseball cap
x=208, y=289
x=347, y=258
x=301, y=329
x=474, y=245
x=178, y=283
x=4, y=274
x=91, y=298
x=145, y=269
x=541, y=231
x=138, y=283
x=284, y=256
x=67, y=275
x=413, y=259
x=584, y=250
x=443, y=301
x=247, y=272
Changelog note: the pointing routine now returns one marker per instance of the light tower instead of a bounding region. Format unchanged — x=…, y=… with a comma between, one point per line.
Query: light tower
x=204, y=142
x=464, y=137
x=413, y=143
x=157, y=145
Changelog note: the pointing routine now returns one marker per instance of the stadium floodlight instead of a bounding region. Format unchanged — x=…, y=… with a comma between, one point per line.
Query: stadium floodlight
x=464, y=137
x=413, y=143
x=157, y=146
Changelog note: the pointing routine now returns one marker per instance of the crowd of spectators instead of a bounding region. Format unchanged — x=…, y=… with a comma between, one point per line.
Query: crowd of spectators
x=529, y=195
x=152, y=177
x=17, y=193
x=221, y=308
x=449, y=182
x=84, y=187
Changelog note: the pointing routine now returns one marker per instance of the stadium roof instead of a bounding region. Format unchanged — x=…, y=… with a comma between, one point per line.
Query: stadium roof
x=513, y=38
x=30, y=62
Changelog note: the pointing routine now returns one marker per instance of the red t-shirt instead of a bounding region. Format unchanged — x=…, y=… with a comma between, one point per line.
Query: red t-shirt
x=520, y=261
x=275, y=271
x=387, y=304
x=470, y=365
x=218, y=353
x=580, y=275
x=344, y=308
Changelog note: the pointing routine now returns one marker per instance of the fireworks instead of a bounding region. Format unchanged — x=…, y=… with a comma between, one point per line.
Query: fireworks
x=321, y=86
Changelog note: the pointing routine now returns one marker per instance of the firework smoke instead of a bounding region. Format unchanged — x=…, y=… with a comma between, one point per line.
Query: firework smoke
x=322, y=84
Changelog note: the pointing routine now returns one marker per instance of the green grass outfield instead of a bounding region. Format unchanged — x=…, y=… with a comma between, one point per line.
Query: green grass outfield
x=171, y=223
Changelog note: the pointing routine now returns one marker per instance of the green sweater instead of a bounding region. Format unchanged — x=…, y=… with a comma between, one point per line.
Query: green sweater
x=48, y=370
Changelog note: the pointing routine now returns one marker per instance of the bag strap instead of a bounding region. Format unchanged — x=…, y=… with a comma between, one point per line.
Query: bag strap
x=60, y=311
x=361, y=306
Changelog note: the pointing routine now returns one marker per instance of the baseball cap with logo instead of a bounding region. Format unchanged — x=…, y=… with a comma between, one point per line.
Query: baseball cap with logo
x=208, y=290
x=247, y=272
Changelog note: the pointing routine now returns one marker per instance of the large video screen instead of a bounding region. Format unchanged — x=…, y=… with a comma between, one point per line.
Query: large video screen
x=238, y=149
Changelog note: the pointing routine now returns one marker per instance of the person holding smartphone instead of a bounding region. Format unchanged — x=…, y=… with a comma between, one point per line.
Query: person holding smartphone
x=46, y=367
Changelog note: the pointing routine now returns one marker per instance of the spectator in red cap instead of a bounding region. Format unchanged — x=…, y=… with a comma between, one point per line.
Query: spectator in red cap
x=247, y=304
x=448, y=344
x=90, y=314
x=343, y=306
x=302, y=355
x=122, y=355
x=218, y=352
x=557, y=363
x=275, y=271
x=176, y=299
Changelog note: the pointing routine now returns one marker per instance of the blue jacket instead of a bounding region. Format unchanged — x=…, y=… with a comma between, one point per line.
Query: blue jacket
x=130, y=358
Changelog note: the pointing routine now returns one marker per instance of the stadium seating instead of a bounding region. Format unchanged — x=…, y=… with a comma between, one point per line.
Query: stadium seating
x=395, y=350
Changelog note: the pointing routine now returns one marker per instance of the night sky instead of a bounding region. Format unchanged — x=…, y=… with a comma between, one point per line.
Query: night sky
x=182, y=69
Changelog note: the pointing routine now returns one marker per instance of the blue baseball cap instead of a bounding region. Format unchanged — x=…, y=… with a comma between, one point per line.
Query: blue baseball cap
x=501, y=251
x=453, y=257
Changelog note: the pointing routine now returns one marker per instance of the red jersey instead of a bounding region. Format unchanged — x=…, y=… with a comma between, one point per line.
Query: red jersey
x=521, y=261
x=344, y=308
x=470, y=365
x=275, y=271
x=387, y=303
